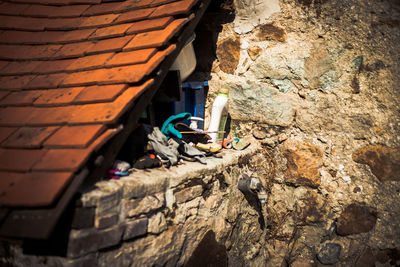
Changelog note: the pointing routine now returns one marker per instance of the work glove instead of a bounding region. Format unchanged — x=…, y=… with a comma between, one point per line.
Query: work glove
x=168, y=128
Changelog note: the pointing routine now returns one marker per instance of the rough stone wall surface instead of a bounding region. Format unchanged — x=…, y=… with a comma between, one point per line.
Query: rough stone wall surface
x=317, y=82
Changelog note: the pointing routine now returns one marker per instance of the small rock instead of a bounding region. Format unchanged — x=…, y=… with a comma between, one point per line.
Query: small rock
x=157, y=224
x=367, y=259
x=259, y=133
x=282, y=137
x=188, y=194
x=271, y=142
x=301, y=263
x=346, y=178
x=254, y=52
x=329, y=253
x=270, y=31
x=355, y=219
x=228, y=54
x=357, y=189
x=322, y=139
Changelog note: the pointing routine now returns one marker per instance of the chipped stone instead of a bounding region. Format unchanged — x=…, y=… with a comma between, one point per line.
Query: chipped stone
x=135, y=228
x=254, y=52
x=145, y=205
x=271, y=31
x=188, y=194
x=157, y=223
x=329, y=253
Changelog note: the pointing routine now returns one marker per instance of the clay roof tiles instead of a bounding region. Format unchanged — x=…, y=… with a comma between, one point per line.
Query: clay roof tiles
x=69, y=69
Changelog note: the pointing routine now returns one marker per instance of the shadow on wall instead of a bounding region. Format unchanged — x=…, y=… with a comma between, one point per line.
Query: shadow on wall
x=205, y=45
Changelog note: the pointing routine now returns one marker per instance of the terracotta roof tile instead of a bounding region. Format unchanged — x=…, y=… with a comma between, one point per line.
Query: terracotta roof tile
x=4, y=133
x=74, y=136
x=19, y=160
x=99, y=94
x=149, y=25
x=34, y=189
x=131, y=58
x=21, y=98
x=57, y=97
x=69, y=71
x=54, y=11
x=29, y=137
x=155, y=38
x=173, y=8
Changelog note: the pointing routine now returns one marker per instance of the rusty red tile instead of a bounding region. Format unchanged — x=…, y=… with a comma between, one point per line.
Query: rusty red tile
x=109, y=45
x=74, y=136
x=75, y=35
x=7, y=181
x=59, y=2
x=54, y=11
x=63, y=23
x=20, y=160
x=102, y=9
x=3, y=64
x=94, y=21
x=20, y=67
x=133, y=57
x=149, y=25
x=15, y=82
x=174, y=8
x=5, y=132
x=29, y=137
x=53, y=66
x=22, y=23
x=24, y=98
x=98, y=94
x=12, y=8
x=46, y=81
x=73, y=50
x=89, y=62
x=57, y=97
x=108, y=112
x=62, y=160
x=3, y=94
x=48, y=116
x=110, y=32
x=161, y=2
x=104, y=138
x=155, y=38
x=15, y=116
x=134, y=15
x=35, y=189
x=25, y=52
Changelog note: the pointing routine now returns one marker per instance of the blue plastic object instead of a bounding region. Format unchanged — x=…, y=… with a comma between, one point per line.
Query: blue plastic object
x=168, y=127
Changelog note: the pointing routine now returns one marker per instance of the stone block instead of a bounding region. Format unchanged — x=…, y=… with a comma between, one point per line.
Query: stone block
x=88, y=260
x=106, y=221
x=147, y=184
x=110, y=237
x=82, y=242
x=228, y=53
x=157, y=224
x=188, y=194
x=145, y=205
x=83, y=218
x=135, y=228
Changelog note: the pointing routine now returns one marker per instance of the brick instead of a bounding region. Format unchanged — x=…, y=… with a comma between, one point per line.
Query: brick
x=57, y=97
x=134, y=15
x=110, y=32
x=73, y=50
x=24, y=52
x=188, y=194
x=53, y=66
x=180, y=7
x=135, y=228
x=12, y=8
x=22, y=23
x=46, y=81
x=83, y=218
x=20, y=67
x=134, y=57
x=106, y=221
x=63, y=23
x=82, y=242
x=155, y=38
x=149, y=25
x=95, y=21
x=21, y=160
x=110, y=45
x=29, y=137
x=54, y=11
x=15, y=82
x=110, y=237
x=97, y=94
x=89, y=62
x=74, y=136
x=62, y=160
x=24, y=98
x=36, y=189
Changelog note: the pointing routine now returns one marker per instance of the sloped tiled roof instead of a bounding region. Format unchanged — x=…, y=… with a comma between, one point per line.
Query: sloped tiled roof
x=69, y=70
